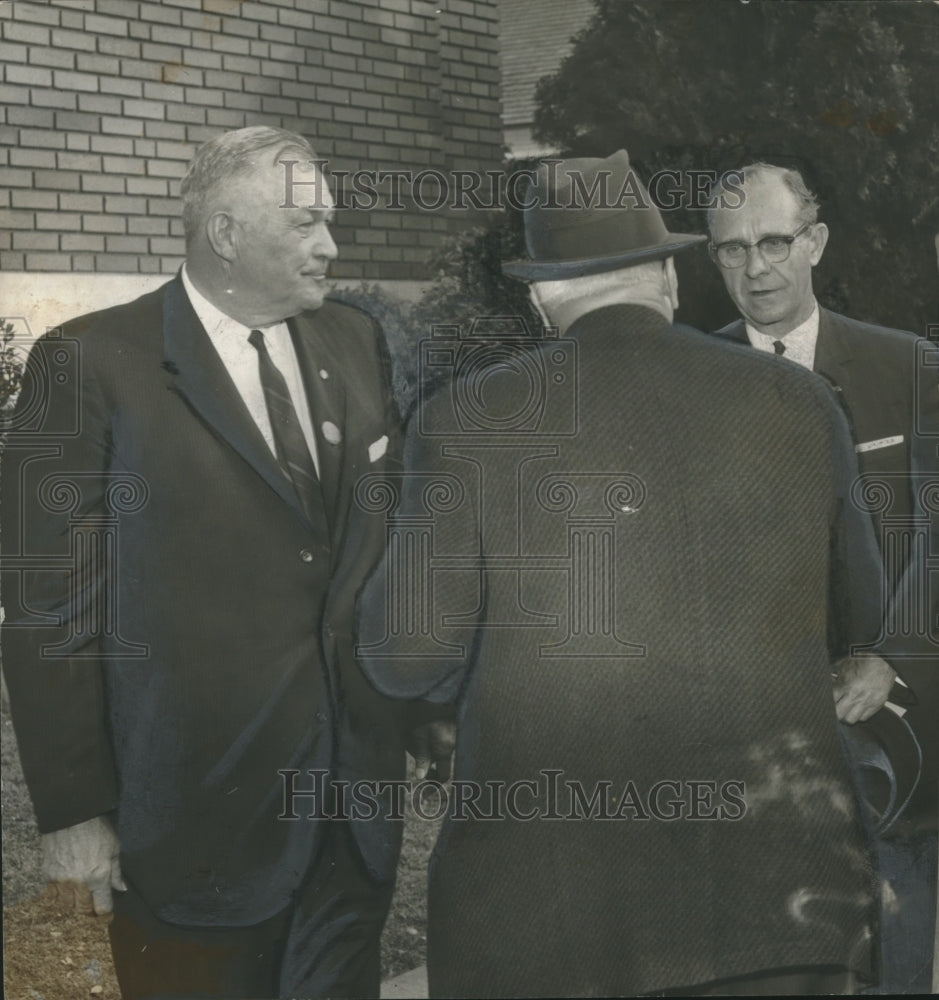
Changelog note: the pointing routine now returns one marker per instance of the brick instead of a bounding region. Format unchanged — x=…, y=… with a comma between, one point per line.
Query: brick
x=145, y=148
x=240, y=28
x=164, y=130
x=205, y=60
x=82, y=241
x=241, y=64
x=163, y=92
x=31, y=76
x=125, y=244
x=56, y=58
x=185, y=113
x=66, y=80
x=103, y=224
x=120, y=145
x=121, y=87
x=83, y=262
x=147, y=185
x=162, y=206
x=80, y=202
x=139, y=226
x=10, y=53
x=160, y=14
x=16, y=178
x=16, y=220
x=234, y=46
x=102, y=183
x=161, y=53
x=59, y=220
x=65, y=39
x=97, y=24
x=79, y=161
x=36, y=13
x=41, y=138
x=139, y=69
x=54, y=99
x=207, y=96
x=170, y=265
x=48, y=262
x=167, y=245
x=106, y=65
x=143, y=109
x=167, y=168
x=29, y=34
x=44, y=158
x=118, y=8
x=35, y=241
x=121, y=126
x=174, y=151
x=199, y=20
x=258, y=12
x=280, y=70
x=224, y=80
x=123, y=164
x=275, y=33
x=99, y=104
x=162, y=34
x=225, y=118
x=122, y=263
x=184, y=76
x=198, y=134
x=73, y=19
x=192, y=5
x=278, y=106
x=123, y=47
x=296, y=19
x=140, y=30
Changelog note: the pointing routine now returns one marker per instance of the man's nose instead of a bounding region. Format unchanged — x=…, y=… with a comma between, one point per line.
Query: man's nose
x=326, y=245
x=756, y=262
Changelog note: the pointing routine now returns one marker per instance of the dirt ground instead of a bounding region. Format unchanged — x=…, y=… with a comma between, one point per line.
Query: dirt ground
x=53, y=955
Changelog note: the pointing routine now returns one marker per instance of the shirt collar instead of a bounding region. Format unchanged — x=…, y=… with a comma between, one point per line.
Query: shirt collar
x=216, y=322
x=800, y=342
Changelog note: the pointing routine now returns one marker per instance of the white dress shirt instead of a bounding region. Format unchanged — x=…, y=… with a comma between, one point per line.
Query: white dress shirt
x=800, y=342
x=230, y=339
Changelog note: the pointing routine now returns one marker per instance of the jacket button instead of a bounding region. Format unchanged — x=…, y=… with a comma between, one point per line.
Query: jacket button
x=306, y=555
x=320, y=716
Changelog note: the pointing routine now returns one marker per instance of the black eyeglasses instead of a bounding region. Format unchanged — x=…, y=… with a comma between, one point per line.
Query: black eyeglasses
x=773, y=249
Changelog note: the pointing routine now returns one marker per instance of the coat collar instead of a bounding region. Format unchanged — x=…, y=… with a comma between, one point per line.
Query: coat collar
x=198, y=374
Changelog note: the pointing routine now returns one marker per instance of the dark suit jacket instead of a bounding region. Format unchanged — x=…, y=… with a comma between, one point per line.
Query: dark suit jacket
x=888, y=390
x=646, y=598
x=224, y=652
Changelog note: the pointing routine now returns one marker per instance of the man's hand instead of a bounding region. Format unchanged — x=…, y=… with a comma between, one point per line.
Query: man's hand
x=431, y=746
x=862, y=685
x=81, y=863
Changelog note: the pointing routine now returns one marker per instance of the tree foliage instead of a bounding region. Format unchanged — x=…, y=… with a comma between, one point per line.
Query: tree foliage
x=846, y=92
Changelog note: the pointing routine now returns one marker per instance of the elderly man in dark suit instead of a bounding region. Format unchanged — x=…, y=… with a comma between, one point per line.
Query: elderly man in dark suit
x=766, y=241
x=635, y=581
x=181, y=558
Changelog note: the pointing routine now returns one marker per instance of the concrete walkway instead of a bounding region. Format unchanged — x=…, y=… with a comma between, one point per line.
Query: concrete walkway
x=408, y=986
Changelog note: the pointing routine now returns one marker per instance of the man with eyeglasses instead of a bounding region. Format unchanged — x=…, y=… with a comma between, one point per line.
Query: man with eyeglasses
x=765, y=240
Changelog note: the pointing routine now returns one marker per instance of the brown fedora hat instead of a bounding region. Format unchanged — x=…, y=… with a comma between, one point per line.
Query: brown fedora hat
x=588, y=216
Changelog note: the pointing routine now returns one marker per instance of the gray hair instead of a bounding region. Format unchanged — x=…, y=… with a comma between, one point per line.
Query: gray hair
x=227, y=156
x=732, y=181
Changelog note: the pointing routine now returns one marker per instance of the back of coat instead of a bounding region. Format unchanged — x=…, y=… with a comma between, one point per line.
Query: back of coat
x=646, y=645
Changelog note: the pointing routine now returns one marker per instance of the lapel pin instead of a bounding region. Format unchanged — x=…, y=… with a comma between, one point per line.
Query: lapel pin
x=331, y=432
x=324, y=374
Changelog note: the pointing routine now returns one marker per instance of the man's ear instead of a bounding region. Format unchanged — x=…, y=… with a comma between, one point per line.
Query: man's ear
x=671, y=282
x=220, y=230
x=536, y=302
x=817, y=242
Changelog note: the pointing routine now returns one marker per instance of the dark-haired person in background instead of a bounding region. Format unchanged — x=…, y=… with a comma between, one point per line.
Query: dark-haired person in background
x=766, y=245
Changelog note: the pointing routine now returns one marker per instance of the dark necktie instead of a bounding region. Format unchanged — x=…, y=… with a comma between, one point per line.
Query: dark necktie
x=779, y=347
x=289, y=442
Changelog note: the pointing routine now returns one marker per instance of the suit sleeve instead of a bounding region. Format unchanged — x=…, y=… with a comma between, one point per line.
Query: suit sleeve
x=856, y=581
x=54, y=474
x=418, y=615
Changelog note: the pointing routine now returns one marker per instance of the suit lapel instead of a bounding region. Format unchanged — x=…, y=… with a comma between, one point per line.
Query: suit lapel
x=833, y=352
x=198, y=374
x=326, y=395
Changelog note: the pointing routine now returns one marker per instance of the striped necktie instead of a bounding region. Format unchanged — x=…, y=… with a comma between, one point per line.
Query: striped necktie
x=289, y=442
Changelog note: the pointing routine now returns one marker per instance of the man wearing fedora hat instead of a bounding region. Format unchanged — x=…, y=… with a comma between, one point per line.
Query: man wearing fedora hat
x=650, y=792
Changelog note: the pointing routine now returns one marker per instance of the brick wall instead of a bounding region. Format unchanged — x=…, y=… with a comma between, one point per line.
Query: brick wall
x=104, y=102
